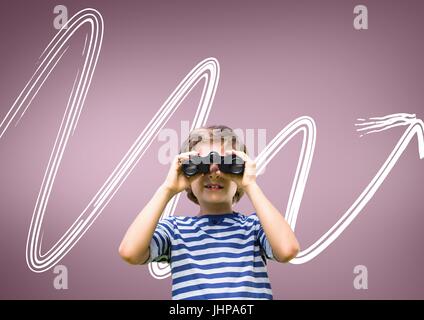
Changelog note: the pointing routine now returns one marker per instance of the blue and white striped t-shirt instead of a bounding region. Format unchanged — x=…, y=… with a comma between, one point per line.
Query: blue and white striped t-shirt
x=214, y=256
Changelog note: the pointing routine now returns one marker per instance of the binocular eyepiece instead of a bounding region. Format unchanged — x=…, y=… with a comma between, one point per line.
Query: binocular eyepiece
x=227, y=164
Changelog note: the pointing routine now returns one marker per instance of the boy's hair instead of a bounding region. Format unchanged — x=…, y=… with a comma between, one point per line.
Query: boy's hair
x=213, y=133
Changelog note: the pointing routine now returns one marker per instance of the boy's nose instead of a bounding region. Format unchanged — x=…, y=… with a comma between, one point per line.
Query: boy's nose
x=213, y=168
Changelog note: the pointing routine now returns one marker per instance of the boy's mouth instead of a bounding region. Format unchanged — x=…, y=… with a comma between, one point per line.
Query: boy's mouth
x=214, y=186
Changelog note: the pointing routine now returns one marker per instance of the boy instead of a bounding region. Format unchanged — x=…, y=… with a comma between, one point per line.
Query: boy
x=219, y=253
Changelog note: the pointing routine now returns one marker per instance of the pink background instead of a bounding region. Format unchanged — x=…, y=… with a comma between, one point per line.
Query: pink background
x=279, y=60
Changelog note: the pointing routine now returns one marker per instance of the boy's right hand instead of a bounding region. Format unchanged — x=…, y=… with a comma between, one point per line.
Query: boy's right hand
x=176, y=181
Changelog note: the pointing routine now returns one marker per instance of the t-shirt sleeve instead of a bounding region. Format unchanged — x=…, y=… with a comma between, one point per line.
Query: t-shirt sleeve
x=263, y=241
x=160, y=245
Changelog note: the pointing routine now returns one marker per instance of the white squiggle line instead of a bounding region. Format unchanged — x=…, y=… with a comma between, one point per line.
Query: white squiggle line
x=415, y=127
x=85, y=44
x=384, y=123
x=207, y=69
x=37, y=261
x=306, y=125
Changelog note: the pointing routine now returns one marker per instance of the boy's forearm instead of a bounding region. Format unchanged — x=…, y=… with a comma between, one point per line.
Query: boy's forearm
x=278, y=232
x=134, y=247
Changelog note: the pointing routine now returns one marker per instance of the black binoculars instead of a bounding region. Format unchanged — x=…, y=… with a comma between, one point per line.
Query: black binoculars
x=227, y=164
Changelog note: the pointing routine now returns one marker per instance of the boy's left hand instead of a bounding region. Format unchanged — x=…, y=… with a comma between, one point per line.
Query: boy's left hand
x=249, y=176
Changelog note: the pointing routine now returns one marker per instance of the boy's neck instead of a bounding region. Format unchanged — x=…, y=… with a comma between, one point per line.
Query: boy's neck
x=217, y=208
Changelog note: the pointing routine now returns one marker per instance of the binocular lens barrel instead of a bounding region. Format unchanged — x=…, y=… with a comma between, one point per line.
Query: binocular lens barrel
x=227, y=164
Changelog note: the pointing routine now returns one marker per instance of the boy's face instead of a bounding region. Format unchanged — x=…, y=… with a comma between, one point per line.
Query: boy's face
x=212, y=188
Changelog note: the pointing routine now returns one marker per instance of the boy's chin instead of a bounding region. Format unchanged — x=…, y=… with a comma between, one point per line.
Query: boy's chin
x=215, y=199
